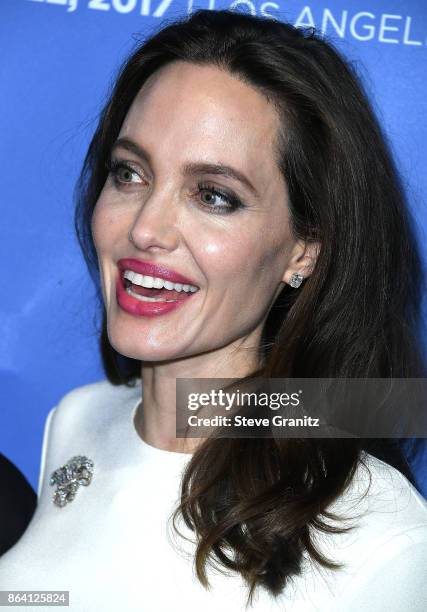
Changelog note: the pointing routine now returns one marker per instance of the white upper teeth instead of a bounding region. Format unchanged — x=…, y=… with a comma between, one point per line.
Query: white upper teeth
x=153, y=282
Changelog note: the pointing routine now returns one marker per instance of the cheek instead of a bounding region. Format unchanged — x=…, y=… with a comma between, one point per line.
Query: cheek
x=236, y=259
x=102, y=226
x=222, y=256
x=95, y=225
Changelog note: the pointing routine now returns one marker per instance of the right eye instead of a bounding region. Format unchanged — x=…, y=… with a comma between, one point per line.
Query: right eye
x=123, y=173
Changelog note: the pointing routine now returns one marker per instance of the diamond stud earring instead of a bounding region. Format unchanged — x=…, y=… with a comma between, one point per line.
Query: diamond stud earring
x=296, y=279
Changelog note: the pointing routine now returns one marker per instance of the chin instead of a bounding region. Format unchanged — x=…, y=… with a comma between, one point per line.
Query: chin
x=143, y=349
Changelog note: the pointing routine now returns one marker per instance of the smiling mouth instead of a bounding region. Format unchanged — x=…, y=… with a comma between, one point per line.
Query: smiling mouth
x=155, y=289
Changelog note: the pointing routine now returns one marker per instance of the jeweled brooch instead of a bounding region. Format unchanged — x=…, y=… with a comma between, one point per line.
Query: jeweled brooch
x=67, y=478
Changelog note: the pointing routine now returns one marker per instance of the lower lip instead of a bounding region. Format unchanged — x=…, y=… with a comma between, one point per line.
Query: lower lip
x=138, y=308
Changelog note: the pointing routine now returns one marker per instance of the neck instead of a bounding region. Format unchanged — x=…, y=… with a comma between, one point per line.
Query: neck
x=155, y=418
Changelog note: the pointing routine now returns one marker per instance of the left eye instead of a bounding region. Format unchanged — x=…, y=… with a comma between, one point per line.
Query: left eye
x=212, y=195
x=229, y=202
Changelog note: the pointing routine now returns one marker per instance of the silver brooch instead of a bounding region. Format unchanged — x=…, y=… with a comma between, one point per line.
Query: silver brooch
x=77, y=471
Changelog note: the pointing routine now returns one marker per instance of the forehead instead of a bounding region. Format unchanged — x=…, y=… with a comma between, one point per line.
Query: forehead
x=185, y=110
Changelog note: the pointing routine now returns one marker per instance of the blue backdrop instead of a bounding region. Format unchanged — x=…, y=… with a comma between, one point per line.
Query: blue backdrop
x=58, y=59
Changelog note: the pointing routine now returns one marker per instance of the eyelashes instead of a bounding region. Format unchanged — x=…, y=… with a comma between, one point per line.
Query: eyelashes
x=115, y=166
x=122, y=173
x=232, y=202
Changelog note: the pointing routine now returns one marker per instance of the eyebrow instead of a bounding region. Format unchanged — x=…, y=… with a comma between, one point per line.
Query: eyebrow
x=190, y=168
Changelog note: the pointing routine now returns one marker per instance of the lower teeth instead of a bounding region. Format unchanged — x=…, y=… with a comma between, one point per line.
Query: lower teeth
x=144, y=298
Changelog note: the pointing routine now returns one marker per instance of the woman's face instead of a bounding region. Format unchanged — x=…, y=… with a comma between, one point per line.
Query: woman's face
x=184, y=118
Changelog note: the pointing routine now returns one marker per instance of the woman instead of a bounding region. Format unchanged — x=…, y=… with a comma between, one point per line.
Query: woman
x=245, y=217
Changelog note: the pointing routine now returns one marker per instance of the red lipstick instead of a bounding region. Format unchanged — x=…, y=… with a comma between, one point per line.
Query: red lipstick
x=136, y=307
x=150, y=269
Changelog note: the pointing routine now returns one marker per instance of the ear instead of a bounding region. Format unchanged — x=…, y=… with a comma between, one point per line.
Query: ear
x=302, y=259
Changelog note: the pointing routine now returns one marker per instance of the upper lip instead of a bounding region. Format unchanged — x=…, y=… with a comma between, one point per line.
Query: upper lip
x=151, y=269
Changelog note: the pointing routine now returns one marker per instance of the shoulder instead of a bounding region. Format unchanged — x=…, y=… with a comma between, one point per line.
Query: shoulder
x=99, y=391
x=387, y=495
x=388, y=571
x=84, y=421
x=93, y=401
x=382, y=552
x=385, y=547
x=380, y=503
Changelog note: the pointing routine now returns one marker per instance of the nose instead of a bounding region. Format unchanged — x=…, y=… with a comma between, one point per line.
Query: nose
x=155, y=225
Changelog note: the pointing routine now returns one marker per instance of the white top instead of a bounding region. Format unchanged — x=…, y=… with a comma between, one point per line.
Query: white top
x=111, y=548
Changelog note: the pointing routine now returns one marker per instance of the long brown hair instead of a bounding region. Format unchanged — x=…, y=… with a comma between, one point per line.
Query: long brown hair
x=357, y=315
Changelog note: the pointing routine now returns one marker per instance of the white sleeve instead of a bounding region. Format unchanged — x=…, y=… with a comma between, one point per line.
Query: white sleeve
x=393, y=579
x=45, y=445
